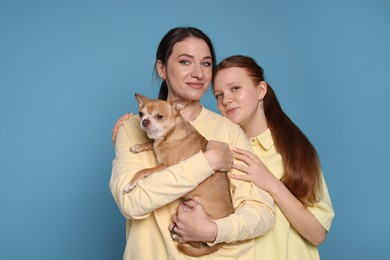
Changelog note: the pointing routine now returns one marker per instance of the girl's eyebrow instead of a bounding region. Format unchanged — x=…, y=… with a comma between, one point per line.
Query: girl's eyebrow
x=233, y=83
x=230, y=84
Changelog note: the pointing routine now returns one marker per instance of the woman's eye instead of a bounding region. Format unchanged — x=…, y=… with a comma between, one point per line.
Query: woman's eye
x=184, y=62
x=207, y=64
x=235, y=88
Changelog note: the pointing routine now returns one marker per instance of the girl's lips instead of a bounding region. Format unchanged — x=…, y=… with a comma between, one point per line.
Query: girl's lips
x=230, y=111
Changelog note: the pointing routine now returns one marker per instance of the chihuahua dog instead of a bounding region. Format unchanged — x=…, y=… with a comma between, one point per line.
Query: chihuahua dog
x=174, y=139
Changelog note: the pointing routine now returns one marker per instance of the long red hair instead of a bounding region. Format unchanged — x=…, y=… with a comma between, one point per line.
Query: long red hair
x=302, y=174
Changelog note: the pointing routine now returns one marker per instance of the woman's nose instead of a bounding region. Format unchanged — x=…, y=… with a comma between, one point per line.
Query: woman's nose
x=197, y=72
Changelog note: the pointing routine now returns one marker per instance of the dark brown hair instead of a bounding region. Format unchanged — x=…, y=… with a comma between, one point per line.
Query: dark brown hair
x=302, y=174
x=172, y=37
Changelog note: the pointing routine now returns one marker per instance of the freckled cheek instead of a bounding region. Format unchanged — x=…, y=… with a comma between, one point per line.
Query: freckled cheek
x=241, y=99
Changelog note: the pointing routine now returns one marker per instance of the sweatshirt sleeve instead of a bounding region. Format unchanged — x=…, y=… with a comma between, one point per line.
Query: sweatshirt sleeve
x=151, y=192
x=323, y=209
x=254, y=214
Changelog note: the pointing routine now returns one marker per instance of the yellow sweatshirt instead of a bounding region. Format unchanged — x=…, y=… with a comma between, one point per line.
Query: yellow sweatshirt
x=283, y=242
x=148, y=208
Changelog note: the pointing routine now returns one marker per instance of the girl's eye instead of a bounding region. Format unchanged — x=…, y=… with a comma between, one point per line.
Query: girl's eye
x=218, y=95
x=235, y=88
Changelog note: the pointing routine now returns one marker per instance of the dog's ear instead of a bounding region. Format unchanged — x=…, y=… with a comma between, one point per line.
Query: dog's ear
x=179, y=105
x=141, y=100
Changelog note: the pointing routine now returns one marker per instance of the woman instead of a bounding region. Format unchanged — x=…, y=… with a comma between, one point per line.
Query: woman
x=184, y=61
x=289, y=168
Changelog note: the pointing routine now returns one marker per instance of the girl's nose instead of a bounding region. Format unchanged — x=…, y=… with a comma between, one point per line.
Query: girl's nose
x=227, y=98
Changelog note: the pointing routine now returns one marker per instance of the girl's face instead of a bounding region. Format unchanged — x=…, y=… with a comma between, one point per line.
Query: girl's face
x=188, y=70
x=238, y=98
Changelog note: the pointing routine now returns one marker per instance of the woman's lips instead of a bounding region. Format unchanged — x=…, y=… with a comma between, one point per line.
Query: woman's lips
x=195, y=85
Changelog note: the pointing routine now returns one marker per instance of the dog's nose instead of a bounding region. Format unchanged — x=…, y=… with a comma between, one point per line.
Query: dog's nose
x=145, y=122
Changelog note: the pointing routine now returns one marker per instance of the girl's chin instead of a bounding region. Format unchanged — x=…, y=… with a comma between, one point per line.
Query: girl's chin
x=233, y=119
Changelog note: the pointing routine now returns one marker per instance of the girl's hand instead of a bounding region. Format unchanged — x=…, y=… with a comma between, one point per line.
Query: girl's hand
x=191, y=223
x=117, y=125
x=300, y=217
x=219, y=156
x=256, y=171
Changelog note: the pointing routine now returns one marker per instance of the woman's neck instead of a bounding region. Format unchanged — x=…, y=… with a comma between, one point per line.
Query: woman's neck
x=191, y=112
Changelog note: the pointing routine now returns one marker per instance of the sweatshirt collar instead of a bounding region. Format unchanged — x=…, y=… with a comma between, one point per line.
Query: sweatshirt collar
x=265, y=139
x=199, y=119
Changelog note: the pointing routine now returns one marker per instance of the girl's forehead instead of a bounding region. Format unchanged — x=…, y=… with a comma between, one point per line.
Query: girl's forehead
x=231, y=73
x=231, y=76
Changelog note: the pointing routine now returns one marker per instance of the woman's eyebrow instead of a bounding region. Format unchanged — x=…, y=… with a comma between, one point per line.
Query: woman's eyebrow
x=186, y=55
x=192, y=56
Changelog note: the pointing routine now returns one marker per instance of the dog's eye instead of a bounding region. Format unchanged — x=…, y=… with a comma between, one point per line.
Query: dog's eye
x=159, y=116
x=140, y=114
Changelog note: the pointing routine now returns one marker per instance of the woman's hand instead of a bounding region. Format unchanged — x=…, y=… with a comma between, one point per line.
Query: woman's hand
x=191, y=223
x=256, y=171
x=219, y=156
x=117, y=125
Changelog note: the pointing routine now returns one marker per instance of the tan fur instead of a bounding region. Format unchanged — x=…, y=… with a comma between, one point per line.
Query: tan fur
x=177, y=141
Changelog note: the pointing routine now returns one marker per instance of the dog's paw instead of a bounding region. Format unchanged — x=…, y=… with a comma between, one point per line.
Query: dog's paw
x=129, y=187
x=136, y=148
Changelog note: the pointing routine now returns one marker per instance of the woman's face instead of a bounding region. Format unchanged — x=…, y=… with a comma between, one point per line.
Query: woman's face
x=188, y=70
x=237, y=96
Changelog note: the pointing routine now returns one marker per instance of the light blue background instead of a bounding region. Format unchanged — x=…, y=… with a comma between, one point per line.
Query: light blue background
x=68, y=71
